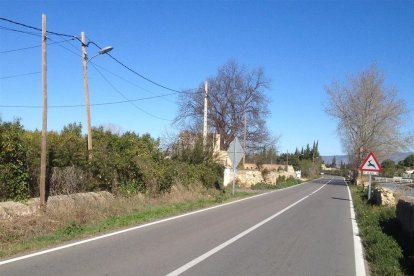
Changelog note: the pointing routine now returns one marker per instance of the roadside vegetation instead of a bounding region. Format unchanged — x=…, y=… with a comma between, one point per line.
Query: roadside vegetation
x=123, y=164
x=146, y=181
x=307, y=159
x=282, y=182
x=387, y=250
x=56, y=226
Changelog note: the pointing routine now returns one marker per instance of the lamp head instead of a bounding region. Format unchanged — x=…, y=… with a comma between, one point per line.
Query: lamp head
x=105, y=50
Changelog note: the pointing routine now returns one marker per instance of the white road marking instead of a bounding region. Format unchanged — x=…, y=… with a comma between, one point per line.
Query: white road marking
x=358, y=251
x=133, y=228
x=201, y=258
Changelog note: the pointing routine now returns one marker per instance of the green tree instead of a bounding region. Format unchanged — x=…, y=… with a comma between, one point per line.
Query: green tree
x=68, y=147
x=333, y=164
x=14, y=176
x=32, y=142
x=388, y=168
x=409, y=161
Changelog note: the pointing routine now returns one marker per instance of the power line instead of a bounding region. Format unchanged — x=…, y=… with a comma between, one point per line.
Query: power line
x=132, y=83
x=82, y=105
x=107, y=70
x=20, y=75
x=123, y=96
x=69, y=50
x=20, y=49
x=19, y=31
x=20, y=24
x=38, y=29
x=138, y=74
x=34, y=46
x=142, y=76
x=93, y=43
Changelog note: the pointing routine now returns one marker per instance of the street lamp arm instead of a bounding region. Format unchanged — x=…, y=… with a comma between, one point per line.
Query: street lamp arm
x=103, y=51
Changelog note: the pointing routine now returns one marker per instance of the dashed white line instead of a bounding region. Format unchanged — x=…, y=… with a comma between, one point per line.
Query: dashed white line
x=201, y=258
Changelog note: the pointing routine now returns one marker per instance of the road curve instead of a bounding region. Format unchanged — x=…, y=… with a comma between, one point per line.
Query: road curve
x=302, y=230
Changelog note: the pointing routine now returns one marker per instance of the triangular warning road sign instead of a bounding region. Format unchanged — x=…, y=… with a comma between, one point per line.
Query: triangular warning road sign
x=370, y=164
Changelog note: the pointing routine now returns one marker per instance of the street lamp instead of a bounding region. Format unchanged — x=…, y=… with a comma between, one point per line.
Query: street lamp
x=103, y=51
x=86, y=86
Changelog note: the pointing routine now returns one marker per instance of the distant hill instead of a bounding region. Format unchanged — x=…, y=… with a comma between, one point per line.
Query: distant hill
x=328, y=159
x=396, y=157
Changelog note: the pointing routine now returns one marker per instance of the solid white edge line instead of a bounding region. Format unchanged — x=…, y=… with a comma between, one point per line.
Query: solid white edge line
x=201, y=258
x=137, y=227
x=358, y=250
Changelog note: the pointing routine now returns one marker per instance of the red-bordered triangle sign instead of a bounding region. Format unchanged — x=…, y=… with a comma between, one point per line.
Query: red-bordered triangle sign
x=370, y=164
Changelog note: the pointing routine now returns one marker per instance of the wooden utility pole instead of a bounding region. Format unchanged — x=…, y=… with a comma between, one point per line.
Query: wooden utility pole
x=42, y=183
x=244, y=138
x=287, y=159
x=86, y=87
x=205, y=113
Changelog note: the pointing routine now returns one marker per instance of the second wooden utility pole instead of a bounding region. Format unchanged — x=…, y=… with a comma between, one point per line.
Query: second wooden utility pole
x=86, y=86
x=42, y=180
x=205, y=113
x=244, y=138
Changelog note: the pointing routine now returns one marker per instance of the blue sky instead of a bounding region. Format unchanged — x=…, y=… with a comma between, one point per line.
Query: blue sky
x=301, y=45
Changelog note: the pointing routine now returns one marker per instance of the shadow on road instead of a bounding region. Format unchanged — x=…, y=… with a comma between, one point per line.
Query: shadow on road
x=339, y=198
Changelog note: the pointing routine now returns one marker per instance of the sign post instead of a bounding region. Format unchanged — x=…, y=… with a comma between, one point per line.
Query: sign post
x=370, y=166
x=235, y=153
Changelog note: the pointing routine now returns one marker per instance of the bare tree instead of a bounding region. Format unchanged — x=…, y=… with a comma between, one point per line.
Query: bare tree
x=232, y=93
x=370, y=116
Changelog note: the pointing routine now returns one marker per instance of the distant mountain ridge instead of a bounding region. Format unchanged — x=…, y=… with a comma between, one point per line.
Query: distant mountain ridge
x=328, y=159
x=396, y=157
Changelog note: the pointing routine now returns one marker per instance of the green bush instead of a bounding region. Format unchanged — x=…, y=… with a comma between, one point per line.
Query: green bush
x=120, y=163
x=382, y=250
x=72, y=229
x=14, y=175
x=212, y=175
x=263, y=186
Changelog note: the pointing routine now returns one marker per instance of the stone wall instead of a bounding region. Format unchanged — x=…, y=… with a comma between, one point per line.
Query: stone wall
x=247, y=178
x=11, y=209
x=383, y=196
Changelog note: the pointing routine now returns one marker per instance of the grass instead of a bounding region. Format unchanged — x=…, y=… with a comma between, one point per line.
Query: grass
x=378, y=229
x=54, y=227
x=281, y=184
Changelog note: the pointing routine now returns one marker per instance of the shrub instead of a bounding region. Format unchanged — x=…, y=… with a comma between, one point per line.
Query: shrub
x=14, y=176
x=263, y=186
x=382, y=250
x=120, y=163
x=67, y=180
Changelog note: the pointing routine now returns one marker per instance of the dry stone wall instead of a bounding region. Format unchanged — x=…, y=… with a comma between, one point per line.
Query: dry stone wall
x=384, y=196
x=247, y=178
x=11, y=209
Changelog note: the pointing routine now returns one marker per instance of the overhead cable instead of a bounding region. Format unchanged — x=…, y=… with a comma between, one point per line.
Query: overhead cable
x=38, y=29
x=138, y=74
x=123, y=96
x=19, y=31
x=134, y=84
x=83, y=105
x=20, y=75
x=93, y=43
x=34, y=46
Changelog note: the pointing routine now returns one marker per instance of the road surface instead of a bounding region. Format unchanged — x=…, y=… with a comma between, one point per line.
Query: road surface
x=302, y=230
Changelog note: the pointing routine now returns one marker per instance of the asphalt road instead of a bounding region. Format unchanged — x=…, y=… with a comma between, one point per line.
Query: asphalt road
x=303, y=230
